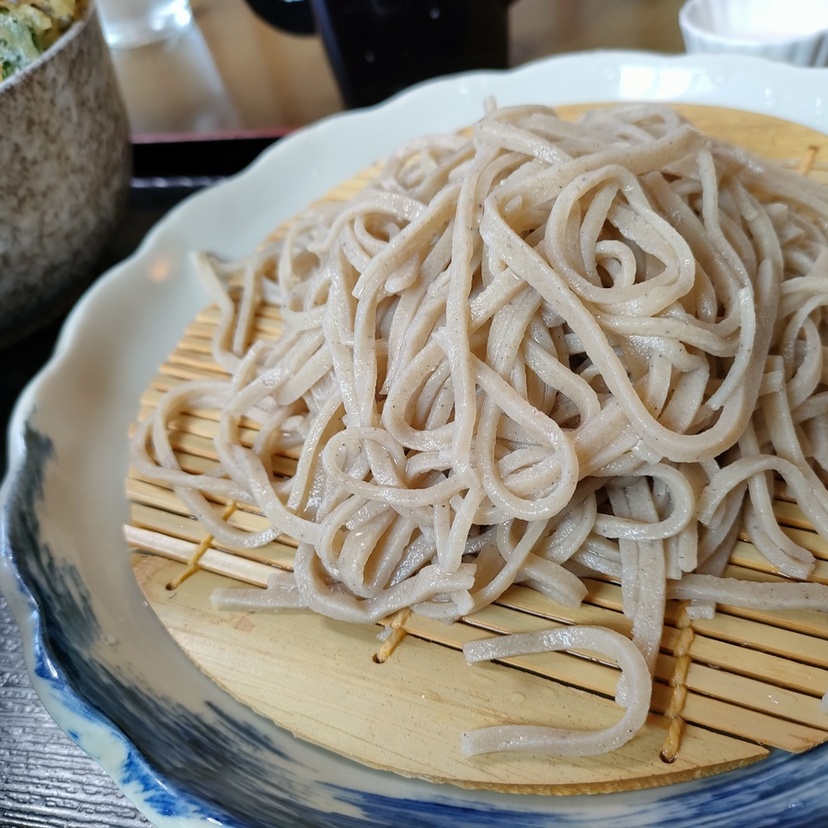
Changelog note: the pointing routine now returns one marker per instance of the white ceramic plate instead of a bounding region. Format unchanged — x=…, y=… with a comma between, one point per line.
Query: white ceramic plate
x=183, y=751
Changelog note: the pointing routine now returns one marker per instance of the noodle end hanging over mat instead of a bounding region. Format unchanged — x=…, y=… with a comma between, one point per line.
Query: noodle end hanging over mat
x=505, y=463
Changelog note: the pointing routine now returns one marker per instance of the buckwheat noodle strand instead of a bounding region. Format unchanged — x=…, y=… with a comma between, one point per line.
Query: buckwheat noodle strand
x=540, y=352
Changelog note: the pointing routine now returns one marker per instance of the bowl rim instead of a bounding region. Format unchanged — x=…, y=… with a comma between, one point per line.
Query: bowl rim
x=688, y=24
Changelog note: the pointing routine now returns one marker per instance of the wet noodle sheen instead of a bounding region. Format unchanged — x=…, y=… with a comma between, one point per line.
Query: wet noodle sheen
x=538, y=353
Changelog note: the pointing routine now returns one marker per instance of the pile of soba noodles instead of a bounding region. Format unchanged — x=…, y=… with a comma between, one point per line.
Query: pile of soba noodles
x=535, y=353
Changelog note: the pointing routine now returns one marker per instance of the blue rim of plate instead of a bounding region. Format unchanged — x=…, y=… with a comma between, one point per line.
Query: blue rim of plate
x=62, y=634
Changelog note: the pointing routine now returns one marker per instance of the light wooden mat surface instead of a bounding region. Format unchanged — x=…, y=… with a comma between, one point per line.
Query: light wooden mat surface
x=737, y=684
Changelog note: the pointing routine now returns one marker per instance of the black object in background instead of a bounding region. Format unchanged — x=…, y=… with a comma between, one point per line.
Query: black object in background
x=379, y=47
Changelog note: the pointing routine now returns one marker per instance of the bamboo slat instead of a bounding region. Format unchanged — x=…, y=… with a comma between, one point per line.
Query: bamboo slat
x=731, y=686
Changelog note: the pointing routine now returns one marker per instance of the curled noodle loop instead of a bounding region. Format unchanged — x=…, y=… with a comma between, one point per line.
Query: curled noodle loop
x=539, y=352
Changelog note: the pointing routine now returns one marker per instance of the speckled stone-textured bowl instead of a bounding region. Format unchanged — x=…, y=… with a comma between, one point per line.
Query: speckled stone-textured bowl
x=64, y=175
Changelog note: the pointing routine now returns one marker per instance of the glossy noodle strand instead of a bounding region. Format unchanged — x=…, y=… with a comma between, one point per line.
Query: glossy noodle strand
x=536, y=353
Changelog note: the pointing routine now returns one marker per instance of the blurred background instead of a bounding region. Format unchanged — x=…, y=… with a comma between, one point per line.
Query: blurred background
x=231, y=72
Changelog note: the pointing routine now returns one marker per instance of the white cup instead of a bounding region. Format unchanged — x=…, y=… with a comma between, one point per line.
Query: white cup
x=794, y=31
x=129, y=23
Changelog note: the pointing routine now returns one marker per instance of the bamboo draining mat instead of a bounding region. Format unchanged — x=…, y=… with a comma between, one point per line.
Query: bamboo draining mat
x=725, y=688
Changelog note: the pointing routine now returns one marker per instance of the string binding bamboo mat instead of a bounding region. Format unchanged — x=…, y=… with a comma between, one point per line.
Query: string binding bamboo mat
x=727, y=689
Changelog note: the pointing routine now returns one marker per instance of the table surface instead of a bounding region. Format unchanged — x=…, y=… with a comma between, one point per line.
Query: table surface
x=229, y=75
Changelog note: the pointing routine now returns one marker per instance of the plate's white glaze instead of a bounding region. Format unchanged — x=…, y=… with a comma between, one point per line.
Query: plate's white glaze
x=181, y=749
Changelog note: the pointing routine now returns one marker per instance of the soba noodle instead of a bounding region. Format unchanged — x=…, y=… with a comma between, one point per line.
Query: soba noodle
x=541, y=352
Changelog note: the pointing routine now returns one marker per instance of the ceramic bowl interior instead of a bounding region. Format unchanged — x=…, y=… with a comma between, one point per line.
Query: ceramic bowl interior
x=64, y=175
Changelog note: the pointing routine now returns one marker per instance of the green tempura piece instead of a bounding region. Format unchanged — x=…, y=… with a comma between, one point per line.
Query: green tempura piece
x=28, y=29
